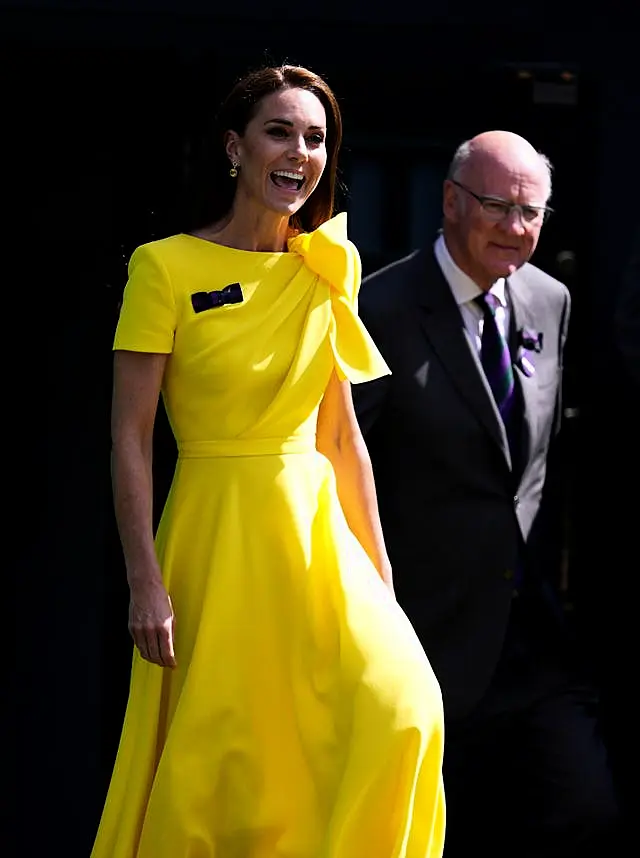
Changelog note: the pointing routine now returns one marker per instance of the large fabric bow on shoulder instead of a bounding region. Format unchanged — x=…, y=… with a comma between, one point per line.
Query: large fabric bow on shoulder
x=328, y=253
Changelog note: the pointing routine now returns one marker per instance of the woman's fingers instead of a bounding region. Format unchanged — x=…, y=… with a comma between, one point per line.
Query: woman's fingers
x=165, y=644
x=140, y=641
x=152, y=646
x=151, y=624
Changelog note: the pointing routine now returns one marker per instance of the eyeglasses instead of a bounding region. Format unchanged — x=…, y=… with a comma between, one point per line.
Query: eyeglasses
x=496, y=209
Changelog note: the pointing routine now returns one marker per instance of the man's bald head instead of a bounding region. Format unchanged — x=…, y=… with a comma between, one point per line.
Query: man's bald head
x=498, y=150
x=494, y=204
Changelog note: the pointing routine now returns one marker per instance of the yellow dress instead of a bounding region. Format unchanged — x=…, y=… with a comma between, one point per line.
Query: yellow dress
x=303, y=719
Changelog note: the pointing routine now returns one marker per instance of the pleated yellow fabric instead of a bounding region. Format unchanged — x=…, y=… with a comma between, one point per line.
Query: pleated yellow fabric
x=303, y=719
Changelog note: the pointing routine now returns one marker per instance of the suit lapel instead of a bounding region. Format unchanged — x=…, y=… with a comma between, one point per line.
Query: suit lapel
x=443, y=324
x=521, y=317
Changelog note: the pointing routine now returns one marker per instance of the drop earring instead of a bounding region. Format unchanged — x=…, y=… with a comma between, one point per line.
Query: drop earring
x=233, y=172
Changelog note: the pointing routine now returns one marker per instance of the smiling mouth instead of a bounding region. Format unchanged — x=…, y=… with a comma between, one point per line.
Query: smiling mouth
x=287, y=180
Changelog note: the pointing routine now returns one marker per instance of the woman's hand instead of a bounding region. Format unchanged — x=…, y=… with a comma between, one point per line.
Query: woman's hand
x=152, y=623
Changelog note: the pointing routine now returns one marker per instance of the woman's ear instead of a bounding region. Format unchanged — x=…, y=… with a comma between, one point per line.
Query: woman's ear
x=232, y=146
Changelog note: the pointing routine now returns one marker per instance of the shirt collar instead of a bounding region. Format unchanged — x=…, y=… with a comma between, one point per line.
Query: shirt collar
x=464, y=289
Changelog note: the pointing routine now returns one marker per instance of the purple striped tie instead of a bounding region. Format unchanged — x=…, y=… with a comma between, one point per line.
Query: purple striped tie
x=496, y=362
x=495, y=356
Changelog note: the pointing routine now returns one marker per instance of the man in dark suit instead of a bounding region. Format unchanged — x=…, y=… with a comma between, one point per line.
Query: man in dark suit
x=459, y=437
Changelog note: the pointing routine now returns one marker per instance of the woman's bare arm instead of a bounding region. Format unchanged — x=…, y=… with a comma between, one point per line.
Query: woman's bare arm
x=136, y=388
x=339, y=438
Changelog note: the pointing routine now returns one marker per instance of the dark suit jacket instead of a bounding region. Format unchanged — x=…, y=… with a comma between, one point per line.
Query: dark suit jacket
x=457, y=519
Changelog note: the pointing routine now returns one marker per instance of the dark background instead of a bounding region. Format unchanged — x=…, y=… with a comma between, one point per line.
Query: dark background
x=104, y=102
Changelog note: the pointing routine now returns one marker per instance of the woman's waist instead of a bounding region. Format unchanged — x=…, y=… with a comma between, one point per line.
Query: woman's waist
x=233, y=447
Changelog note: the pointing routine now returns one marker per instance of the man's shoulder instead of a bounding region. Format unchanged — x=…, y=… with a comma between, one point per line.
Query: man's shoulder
x=397, y=268
x=395, y=283
x=542, y=281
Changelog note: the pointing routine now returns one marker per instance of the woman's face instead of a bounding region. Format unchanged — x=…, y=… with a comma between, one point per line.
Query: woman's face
x=282, y=154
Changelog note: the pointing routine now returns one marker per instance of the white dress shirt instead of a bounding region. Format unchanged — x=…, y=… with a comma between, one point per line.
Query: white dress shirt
x=465, y=290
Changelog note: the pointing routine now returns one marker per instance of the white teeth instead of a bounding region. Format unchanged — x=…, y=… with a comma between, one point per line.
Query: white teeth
x=287, y=175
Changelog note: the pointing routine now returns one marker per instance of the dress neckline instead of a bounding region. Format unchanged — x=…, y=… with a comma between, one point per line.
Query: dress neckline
x=237, y=249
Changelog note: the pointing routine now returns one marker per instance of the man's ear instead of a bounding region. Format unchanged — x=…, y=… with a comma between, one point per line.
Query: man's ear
x=450, y=202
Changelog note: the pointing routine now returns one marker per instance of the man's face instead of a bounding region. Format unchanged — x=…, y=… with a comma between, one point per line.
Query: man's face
x=485, y=245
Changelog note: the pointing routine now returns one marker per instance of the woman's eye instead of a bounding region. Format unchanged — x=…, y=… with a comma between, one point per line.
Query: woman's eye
x=316, y=139
x=277, y=132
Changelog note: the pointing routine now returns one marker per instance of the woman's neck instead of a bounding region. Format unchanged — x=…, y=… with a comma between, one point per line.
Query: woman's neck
x=249, y=231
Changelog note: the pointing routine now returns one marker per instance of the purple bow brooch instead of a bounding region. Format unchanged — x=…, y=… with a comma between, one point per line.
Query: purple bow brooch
x=529, y=343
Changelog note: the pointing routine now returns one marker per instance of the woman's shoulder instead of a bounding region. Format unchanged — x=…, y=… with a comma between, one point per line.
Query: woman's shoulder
x=177, y=255
x=162, y=248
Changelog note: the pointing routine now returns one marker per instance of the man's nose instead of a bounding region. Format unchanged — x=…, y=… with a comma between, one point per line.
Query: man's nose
x=514, y=222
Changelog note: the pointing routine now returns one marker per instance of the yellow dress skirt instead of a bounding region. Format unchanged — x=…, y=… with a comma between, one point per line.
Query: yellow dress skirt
x=303, y=719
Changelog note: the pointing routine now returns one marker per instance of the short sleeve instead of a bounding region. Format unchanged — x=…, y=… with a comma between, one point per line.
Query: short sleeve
x=148, y=316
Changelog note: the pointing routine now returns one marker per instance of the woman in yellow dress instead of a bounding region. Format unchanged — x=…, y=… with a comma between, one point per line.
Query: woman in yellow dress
x=281, y=705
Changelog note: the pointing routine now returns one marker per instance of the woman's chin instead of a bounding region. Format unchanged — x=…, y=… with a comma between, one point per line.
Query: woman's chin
x=287, y=209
